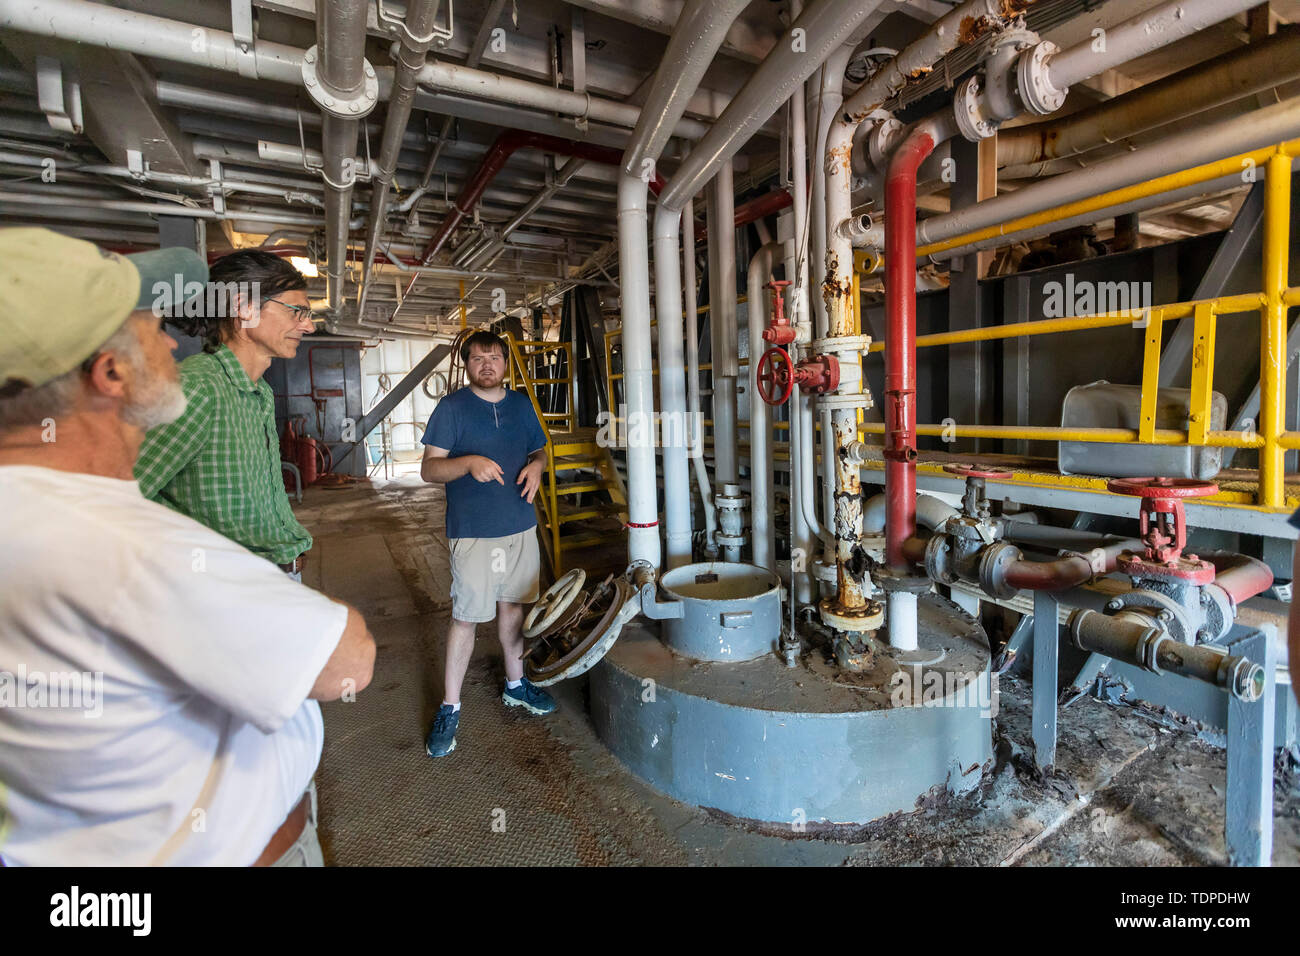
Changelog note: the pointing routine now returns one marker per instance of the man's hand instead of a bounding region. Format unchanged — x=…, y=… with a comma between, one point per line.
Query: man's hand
x=530, y=478
x=485, y=469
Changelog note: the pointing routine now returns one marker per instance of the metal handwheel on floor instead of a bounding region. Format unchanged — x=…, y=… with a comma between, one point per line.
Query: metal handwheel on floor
x=585, y=632
x=554, y=602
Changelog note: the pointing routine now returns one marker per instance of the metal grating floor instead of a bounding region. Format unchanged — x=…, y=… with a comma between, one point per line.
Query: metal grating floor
x=565, y=800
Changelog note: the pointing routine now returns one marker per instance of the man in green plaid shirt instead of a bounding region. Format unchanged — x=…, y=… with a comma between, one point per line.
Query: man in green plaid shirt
x=219, y=463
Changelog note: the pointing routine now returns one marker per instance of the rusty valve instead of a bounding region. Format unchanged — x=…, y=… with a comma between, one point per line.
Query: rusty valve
x=777, y=375
x=780, y=331
x=1162, y=524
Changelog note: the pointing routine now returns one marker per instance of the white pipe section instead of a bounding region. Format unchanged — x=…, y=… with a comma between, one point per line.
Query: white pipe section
x=1138, y=36
x=672, y=390
x=762, y=496
x=690, y=303
x=638, y=375
x=900, y=615
x=722, y=325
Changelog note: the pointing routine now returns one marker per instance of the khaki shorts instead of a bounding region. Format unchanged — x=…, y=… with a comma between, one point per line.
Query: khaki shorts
x=487, y=570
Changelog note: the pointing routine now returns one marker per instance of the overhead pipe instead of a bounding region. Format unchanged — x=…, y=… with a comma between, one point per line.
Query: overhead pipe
x=724, y=345
x=691, y=47
x=412, y=47
x=562, y=177
x=752, y=210
x=762, y=495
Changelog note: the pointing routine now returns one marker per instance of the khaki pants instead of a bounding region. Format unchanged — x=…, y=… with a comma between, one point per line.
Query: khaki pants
x=487, y=570
x=306, y=849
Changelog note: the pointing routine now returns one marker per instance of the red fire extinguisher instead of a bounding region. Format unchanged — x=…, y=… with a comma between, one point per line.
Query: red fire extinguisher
x=307, y=459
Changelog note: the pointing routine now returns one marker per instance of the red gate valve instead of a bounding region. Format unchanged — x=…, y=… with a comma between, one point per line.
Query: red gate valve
x=774, y=376
x=780, y=331
x=819, y=375
x=1163, y=524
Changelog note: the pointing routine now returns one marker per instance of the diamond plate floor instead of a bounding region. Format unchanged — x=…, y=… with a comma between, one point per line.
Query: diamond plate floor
x=544, y=790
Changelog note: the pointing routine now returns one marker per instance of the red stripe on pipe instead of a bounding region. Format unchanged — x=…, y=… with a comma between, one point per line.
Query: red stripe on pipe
x=756, y=208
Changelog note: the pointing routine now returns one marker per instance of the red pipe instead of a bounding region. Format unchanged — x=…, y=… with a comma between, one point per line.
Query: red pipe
x=900, y=357
x=756, y=208
x=496, y=157
x=1239, y=575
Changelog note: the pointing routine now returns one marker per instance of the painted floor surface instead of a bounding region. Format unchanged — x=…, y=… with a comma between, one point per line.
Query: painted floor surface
x=1130, y=789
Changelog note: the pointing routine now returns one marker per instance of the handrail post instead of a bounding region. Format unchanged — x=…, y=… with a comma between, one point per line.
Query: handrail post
x=1273, y=358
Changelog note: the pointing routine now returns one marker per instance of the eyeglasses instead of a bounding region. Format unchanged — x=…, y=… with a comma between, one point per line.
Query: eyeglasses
x=299, y=311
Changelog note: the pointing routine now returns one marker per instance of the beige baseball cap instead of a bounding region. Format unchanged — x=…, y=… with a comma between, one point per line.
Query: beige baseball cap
x=62, y=298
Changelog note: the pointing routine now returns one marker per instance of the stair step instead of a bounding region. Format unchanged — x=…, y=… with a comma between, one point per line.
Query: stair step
x=578, y=487
x=599, y=509
x=567, y=544
x=570, y=462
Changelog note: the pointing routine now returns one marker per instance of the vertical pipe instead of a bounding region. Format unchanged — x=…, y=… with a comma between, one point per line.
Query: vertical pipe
x=1273, y=357
x=672, y=388
x=761, y=494
x=722, y=321
x=900, y=358
x=638, y=376
x=690, y=305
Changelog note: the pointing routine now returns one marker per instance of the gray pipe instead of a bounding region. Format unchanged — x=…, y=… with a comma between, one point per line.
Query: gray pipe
x=421, y=15
x=690, y=303
x=1264, y=127
x=825, y=25
x=722, y=325
x=762, y=496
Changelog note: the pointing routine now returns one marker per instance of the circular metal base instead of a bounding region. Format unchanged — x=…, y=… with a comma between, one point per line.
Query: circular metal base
x=811, y=743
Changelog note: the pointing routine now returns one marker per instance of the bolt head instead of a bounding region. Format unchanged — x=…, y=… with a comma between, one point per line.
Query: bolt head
x=1114, y=605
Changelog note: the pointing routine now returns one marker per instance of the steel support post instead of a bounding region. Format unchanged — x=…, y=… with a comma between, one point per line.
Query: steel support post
x=1248, y=821
x=1046, y=652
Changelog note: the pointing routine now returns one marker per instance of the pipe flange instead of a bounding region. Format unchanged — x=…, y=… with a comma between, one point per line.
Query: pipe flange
x=834, y=403
x=966, y=108
x=343, y=105
x=825, y=572
x=888, y=579
x=938, y=560
x=1034, y=82
x=839, y=344
x=872, y=542
x=881, y=142
x=730, y=540
x=994, y=562
x=869, y=617
x=1170, y=616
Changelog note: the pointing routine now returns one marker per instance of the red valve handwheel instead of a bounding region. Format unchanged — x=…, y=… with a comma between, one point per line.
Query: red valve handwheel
x=970, y=471
x=775, y=371
x=1162, y=487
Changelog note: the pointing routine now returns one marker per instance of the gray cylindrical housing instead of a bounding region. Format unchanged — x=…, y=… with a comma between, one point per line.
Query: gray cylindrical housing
x=732, y=611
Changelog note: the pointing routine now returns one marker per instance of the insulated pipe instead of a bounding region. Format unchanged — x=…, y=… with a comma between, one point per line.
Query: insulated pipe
x=1138, y=36
x=1264, y=127
x=420, y=19
x=823, y=27
x=762, y=495
x=672, y=390
x=685, y=61
x=722, y=328
x=1252, y=69
x=690, y=305
x=930, y=512
x=341, y=72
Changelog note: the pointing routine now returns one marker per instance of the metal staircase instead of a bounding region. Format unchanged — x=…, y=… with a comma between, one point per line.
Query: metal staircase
x=582, y=503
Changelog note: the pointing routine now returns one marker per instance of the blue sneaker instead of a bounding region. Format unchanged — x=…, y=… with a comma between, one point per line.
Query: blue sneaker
x=531, y=698
x=442, y=738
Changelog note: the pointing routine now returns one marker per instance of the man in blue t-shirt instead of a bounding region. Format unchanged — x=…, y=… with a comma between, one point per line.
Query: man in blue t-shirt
x=486, y=445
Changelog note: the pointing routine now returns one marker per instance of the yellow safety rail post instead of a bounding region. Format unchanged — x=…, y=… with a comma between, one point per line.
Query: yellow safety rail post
x=1202, y=401
x=1150, y=377
x=1272, y=337
x=552, y=504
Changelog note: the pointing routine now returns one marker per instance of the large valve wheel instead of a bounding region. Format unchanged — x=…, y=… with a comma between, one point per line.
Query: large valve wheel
x=552, y=605
x=775, y=374
x=1162, y=487
x=588, y=630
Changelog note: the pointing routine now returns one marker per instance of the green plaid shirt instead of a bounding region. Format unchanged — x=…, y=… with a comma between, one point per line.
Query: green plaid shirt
x=219, y=463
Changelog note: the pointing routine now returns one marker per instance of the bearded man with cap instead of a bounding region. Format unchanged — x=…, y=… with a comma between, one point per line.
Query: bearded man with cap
x=158, y=682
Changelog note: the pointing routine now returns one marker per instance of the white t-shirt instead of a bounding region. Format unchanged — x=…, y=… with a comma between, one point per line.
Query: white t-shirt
x=196, y=739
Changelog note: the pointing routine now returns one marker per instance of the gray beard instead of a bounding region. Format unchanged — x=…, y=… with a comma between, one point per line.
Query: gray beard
x=161, y=403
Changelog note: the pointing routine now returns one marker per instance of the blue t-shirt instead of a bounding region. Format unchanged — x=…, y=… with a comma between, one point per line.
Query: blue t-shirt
x=507, y=432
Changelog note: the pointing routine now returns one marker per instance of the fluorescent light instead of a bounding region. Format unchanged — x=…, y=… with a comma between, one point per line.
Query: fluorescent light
x=305, y=266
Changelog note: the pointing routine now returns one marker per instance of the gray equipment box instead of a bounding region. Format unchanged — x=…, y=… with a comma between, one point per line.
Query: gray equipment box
x=1103, y=405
